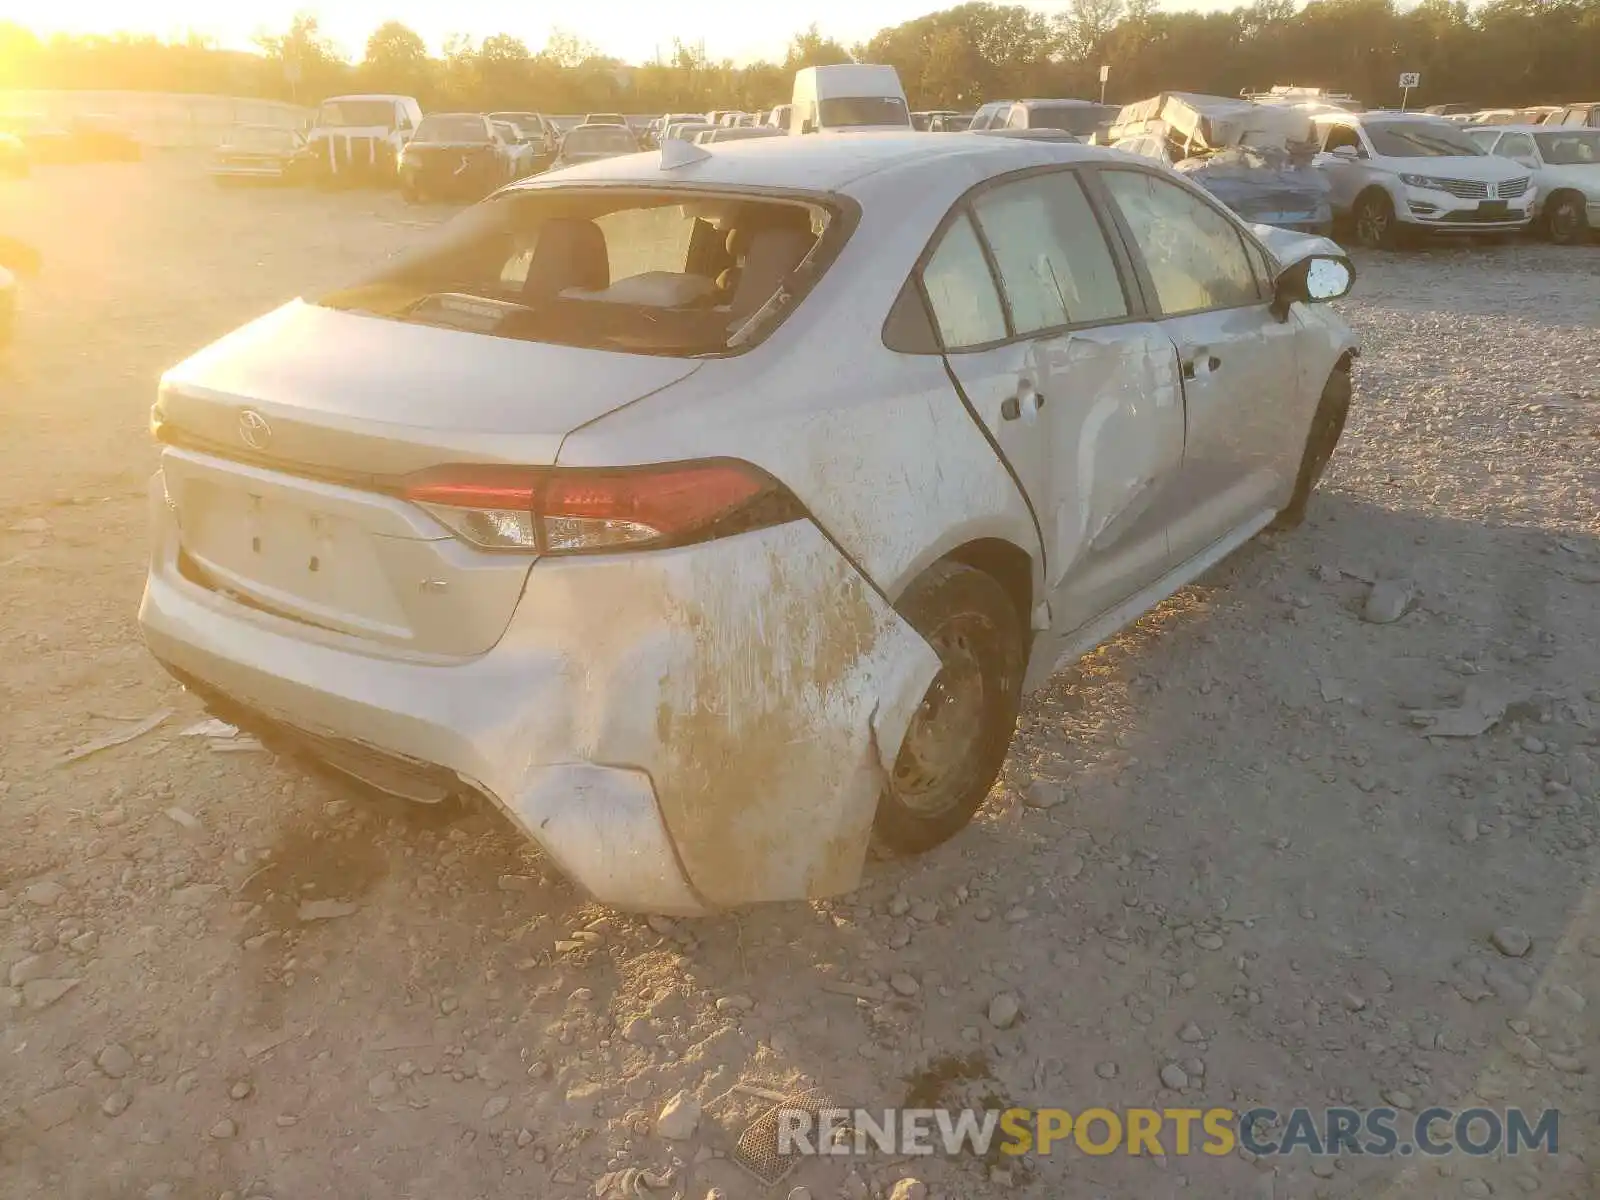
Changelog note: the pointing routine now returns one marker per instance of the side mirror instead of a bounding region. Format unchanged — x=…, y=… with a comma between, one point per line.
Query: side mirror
x=1315, y=279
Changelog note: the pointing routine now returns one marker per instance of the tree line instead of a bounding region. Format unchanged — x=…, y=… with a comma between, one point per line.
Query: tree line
x=1503, y=52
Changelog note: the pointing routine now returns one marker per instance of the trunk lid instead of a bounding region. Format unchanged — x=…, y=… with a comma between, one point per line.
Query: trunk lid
x=284, y=436
x=349, y=393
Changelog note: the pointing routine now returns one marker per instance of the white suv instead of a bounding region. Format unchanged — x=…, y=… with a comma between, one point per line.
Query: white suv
x=1394, y=173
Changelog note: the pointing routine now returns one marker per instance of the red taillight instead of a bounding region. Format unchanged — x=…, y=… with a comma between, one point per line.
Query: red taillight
x=574, y=510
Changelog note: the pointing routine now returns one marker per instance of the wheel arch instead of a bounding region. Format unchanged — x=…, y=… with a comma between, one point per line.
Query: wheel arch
x=1376, y=187
x=1557, y=194
x=1008, y=564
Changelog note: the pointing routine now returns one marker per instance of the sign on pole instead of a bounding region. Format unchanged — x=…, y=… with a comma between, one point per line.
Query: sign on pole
x=1408, y=80
x=1105, y=74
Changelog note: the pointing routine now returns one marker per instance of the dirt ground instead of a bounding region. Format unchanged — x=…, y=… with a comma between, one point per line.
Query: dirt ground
x=1225, y=867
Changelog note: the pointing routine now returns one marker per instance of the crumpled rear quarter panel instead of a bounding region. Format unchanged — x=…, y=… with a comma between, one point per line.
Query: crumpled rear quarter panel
x=754, y=679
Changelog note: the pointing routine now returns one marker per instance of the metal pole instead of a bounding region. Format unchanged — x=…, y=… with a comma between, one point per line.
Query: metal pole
x=1405, y=98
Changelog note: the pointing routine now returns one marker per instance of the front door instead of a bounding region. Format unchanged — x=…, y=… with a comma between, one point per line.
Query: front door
x=1236, y=358
x=1077, y=390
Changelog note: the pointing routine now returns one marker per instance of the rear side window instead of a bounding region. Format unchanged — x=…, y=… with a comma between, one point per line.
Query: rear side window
x=961, y=290
x=1052, y=255
x=1195, y=255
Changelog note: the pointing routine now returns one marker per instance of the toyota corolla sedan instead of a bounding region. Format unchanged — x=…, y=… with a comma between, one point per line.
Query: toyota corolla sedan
x=711, y=512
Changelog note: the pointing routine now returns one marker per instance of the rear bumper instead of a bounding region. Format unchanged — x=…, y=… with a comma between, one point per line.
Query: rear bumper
x=681, y=731
x=248, y=170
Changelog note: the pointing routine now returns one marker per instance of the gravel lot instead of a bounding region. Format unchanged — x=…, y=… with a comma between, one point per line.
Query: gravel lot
x=1224, y=868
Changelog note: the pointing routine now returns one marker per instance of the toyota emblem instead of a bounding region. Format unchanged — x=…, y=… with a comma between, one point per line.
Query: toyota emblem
x=253, y=428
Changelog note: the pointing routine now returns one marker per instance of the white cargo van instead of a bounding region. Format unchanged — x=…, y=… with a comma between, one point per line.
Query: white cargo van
x=848, y=98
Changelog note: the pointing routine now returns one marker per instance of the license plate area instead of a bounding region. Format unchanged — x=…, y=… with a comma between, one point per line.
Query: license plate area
x=289, y=556
x=1493, y=208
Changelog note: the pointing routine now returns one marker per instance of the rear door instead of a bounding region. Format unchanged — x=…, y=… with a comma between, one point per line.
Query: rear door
x=1078, y=392
x=1242, y=408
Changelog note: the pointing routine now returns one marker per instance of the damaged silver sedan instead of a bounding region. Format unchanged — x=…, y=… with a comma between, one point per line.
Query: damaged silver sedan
x=711, y=511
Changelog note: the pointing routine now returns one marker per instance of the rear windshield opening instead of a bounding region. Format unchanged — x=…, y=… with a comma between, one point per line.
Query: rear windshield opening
x=1081, y=120
x=451, y=129
x=673, y=273
x=595, y=139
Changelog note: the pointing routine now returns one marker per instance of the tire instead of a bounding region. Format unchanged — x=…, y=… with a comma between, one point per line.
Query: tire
x=957, y=741
x=1373, y=219
x=1326, y=426
x=1566, y=219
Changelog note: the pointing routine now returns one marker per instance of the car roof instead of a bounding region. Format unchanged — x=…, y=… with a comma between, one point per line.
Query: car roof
x=1067, y=100
x=368, y=96
x=829, y=162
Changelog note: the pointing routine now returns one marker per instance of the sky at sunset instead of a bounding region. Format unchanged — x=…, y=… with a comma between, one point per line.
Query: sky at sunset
x=629, y=29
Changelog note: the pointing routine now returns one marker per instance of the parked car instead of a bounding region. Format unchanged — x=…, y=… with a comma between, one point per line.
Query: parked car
x=951, y=122
x=658, y=127
x=519, y=148
x=1256, y=158
x=606, y=119
x=1082, y=118
x=741, y=133
x=534, y=132
x=1587, y=115
x=101, y=138
x=358, y=139
x=260, y=153
x=991, y=115
x=588, y=143
x=686, y=131
x=460, y=156
x=1450, y=110
x=80, y=139
x=848, y=98
x=923, y=120
x=14, y=160
x=1565, y=160
x=778, y=118
x=551, y=508
x=1398, y=174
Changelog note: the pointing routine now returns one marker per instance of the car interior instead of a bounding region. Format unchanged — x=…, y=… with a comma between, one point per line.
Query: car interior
x=650, y=273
